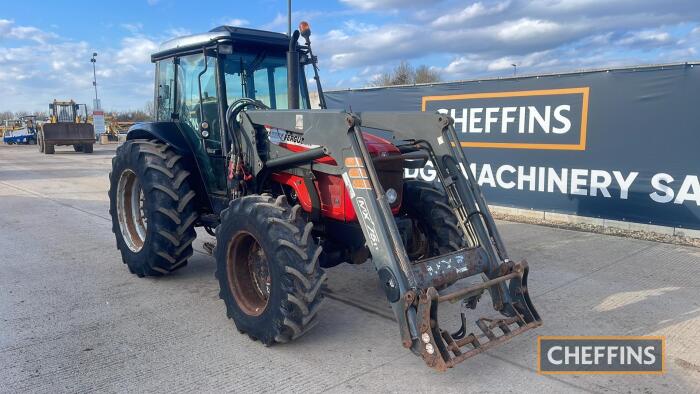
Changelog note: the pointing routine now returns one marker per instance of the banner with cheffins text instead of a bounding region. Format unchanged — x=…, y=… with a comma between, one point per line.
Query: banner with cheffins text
x=621, y=144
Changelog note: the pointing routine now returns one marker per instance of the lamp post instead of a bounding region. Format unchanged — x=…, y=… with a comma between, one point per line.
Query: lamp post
x=515, y=69
x=94, y=78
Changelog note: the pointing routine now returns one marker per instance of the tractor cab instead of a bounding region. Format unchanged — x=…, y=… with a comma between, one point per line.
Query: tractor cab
x=199, y=76
x=67, y=112
x=29, y=122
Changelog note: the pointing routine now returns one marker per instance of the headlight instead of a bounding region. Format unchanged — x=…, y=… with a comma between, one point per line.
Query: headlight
x=391, y=195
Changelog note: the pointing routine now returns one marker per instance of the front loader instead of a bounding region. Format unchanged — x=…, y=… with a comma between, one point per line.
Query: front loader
x=289, y=192
x=67, y=125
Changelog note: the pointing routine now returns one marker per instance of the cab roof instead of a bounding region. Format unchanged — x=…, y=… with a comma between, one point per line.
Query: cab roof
x=221, y=34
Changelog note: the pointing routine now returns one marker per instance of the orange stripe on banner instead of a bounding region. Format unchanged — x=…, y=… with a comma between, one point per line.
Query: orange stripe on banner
x=580, y=146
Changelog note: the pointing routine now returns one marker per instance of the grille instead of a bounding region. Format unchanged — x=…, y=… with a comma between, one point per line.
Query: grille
x=390, y=172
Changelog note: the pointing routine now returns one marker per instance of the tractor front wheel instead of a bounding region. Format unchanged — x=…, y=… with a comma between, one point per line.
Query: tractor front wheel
x=435, y=229
x=152, y=208
x=268, y=268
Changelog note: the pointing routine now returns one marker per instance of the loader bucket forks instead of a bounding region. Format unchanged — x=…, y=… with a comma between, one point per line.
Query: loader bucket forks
x=415, y=289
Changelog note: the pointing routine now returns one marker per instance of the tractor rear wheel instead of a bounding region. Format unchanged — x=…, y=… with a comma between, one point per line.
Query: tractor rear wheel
x=152, y=208
x=435, y=229
x=78, y=147
x=268, y=268
x=87, y=148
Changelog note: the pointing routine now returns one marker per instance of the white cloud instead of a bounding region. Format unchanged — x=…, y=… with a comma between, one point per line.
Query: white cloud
x=177, y=32
x=10, y=31
x=236, y=22
x=34, y=73
x=132, y=28
x=485, y=37
x=359, y=27
x=461, y=39
x=279, y=22
x=645, y=37
x=368, y=5
x=136, y=51
x=470, y=12
x=526, y=29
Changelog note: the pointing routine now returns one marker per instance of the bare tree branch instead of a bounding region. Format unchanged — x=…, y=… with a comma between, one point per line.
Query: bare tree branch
x=405, y=74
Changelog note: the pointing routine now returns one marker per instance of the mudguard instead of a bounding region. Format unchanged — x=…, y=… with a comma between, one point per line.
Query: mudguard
x=170, y=133
x=167, y=132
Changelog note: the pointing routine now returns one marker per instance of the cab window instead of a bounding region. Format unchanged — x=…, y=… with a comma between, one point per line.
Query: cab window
x=189, y=107
x=256, y=75
x=165, y=85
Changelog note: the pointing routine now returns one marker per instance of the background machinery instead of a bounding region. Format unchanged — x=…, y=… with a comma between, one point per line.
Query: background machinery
x=67, y=125
x=21, y=131
x=289, y=191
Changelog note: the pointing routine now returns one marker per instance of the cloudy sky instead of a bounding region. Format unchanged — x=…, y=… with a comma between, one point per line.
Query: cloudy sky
x=45, y=47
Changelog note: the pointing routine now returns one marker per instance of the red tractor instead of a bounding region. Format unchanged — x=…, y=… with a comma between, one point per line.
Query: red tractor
x=289, y=191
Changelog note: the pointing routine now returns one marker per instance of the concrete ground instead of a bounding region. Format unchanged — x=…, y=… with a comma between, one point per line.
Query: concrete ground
x=72, y=318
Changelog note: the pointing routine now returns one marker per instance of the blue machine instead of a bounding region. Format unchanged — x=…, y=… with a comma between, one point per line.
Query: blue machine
x=25, y=135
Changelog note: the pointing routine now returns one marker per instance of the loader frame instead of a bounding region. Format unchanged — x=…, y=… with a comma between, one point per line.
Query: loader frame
x=411, y=287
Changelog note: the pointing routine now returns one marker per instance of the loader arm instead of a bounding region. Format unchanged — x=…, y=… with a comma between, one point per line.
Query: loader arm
x=412, y=287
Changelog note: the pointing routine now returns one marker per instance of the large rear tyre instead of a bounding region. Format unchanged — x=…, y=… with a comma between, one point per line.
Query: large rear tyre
x=435, y=229
x=78, y=147
x=152, y=209
x=268, y=268
x=87, y=148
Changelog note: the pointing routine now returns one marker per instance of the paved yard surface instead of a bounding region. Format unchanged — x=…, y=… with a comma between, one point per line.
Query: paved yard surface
x=72, y=318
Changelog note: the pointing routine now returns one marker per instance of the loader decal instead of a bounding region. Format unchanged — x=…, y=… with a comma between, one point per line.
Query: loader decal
x=284, y=137
x=357, y=174
x=373, y=237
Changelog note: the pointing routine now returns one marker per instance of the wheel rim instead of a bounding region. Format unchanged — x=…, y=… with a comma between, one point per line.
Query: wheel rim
x=248, y=273
x=131, y=211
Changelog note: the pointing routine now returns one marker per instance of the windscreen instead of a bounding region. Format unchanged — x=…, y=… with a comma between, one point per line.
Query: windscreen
x=65, y=113
x=260, y=75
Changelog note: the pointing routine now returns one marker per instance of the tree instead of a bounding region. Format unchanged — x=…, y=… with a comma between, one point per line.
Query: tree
x=150, y=110
x=6, y=115
x=405, y=74
x=425, y=74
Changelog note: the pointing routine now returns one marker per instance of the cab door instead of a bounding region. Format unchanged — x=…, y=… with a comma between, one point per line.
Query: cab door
x=199, y=113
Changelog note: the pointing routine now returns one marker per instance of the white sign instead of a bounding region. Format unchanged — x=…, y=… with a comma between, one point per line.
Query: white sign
x=98, y=121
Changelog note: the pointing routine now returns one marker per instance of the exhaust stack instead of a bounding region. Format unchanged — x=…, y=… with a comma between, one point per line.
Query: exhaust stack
x=293, y=72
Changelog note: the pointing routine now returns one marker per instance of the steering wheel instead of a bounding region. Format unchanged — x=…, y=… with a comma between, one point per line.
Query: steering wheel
x=239, y=105
x=232, y=114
